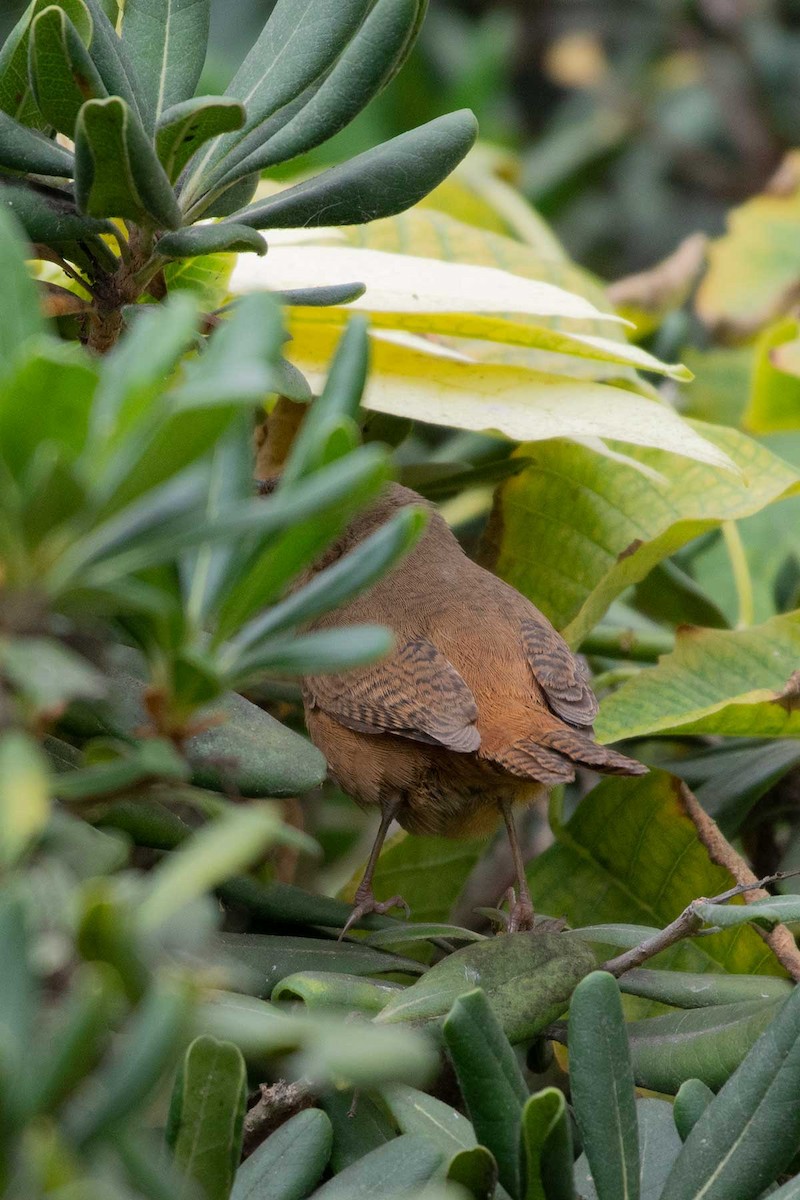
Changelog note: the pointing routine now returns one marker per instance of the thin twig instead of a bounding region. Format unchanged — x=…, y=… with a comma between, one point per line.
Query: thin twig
x=686, y=925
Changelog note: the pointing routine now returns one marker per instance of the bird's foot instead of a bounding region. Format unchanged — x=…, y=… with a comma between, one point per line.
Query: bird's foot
x=366, y=903
x=520, y=912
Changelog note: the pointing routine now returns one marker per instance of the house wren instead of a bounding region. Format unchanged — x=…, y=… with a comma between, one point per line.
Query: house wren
x=480, y=706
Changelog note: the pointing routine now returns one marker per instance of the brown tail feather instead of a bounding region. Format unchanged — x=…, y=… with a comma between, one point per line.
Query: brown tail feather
x=581, y=749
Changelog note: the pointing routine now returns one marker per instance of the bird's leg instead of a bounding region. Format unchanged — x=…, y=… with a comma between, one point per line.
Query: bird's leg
x=364, y=901
x=521, y=914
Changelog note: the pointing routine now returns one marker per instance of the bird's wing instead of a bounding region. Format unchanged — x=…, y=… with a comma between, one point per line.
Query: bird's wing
x=415, y=693
x=562, y=677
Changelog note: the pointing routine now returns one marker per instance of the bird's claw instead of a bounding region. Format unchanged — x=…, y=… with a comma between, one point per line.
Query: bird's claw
x=365, y=903
x=520, y=914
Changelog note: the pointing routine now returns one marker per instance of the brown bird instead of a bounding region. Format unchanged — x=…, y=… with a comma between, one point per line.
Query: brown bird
x=480, y=706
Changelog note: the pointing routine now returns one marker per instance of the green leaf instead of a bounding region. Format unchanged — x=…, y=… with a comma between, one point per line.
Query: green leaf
x=23, y=149
x=599, y=525
x=751, y=267
x=53, y=219
x=417, y=932
x=360, y=1124
x=24, y=795
x=211, y=239
x=340, y=397
x=659, y=1147
x=374, y=184
x=290, y=905
x=369, y=60
x=668, y=594
x=270, y=959
x=206, y=1116
x=614, y=861
x=289, y=1162
x=547, y=1147
x=476, y=1171
x=399, y=1168
x=147, y=1047
x=729, y=779
x=216, y=852
x=330, y=989
x=490, y=1079
x=702, y=1043
x=429, y=872
x=62, y=72
x=775, y=387
x=687, y=989
x=183, y=128
x=20, y=317
x=342, y=293
x=80, y=1038
x=527, y=979
x=692, y=1099
x=111, y=58
x=16, y=97
x=166, y=41
x=416, y=1112
x=750, y=1132
x=117, y=173
x=48, y=674
x=337, y=584
x=19, y=994
x=601, y=1085
x=733, y=682
x=330, y=650
x=298, y=44
x=768, y=912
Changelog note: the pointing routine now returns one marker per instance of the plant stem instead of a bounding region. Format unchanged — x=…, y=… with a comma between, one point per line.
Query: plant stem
x=686, y=925
x=608, y=642
x=741, y=573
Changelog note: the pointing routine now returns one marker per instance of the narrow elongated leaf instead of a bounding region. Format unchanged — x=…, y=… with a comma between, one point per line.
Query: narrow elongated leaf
x=768, y=912
x=399, y=1168
x=117, y=173
x=211, y=239
x=166, y=42
x=150, y=1044
x=340, y=397
x=601, y=1084
x=62, y=71
x=289, y=1162
x=415, y=1112
x=218, y=851
x=18, y=992
x=366, y=65
x=183, y=128
x=329, y=650
x=702, y=1043
x=271, y=958
x=111, y=58
x=23, y=149
x=299, y=42
x=357, y=1127
x=490, y=1079
x=751, y=1130
x=374, y=184
x=731, y=682
x=206, y=1116
x=689, y=989
x=547, y=1147
x=330, y=989
x=51, y=217
x=20, y=317
x=16, y=97
x=692, y=1099
x=340, y=582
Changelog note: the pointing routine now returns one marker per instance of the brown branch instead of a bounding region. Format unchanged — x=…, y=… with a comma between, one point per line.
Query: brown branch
x=688, y=924
x=720, y=851
x=277, y=1103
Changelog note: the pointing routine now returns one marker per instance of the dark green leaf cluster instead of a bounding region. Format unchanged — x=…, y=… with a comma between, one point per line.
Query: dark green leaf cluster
x=111, y=162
